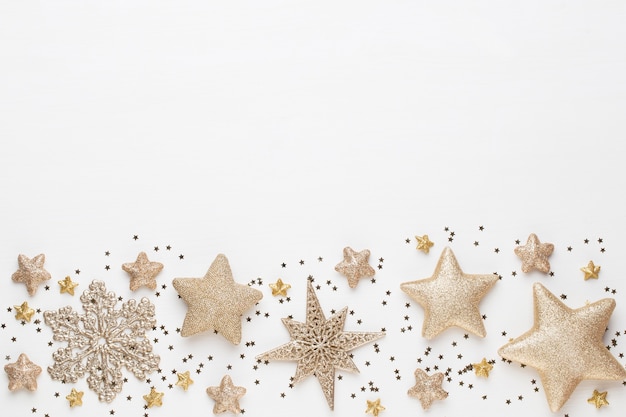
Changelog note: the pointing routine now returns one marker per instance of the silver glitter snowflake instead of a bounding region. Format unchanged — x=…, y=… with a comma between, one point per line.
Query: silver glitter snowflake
x=102, y=340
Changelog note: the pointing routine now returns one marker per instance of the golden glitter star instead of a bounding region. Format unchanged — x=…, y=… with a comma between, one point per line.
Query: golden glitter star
x=534, y=254
x=450, y=297
x=319, y=345
x=355, y=265
x=591, y=270
x=75, y=398
x=280, y=288
x=184, y=380
x=154, y=398
x=24, y=312
x=31, y=272
x=67, y=285
x=598, y=398
x=226, y=396
x=215, y=301
x=22, y=374
x=565, y=345
x=142, y=272
x=374, y=407
x=423, y=243
x=427, y=388
x=482, y=368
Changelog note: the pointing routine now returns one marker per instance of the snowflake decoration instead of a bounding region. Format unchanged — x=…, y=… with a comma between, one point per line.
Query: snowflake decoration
x=102, y=340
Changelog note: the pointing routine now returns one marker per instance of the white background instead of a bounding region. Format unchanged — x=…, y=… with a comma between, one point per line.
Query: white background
x=274, y=131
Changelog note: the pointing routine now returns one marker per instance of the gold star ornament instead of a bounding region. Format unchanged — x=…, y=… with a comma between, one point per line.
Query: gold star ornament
x=67, y=285
x=24, y=312
x=450, y=297
x=591, y=270
x=216, y=301
x=142, y=272
x=482, y=368
x=75, y=398
x=565, y=345
x=423, y=243
x=184, y=380
x=226, y=396
x=22, y=374
x=374, y=407
x=31, y=272
x=598, y=398
x=534, y=255
x=279, y=288
x=355, y=266
x=154, y=398
x=427, y=388
x=320, y=345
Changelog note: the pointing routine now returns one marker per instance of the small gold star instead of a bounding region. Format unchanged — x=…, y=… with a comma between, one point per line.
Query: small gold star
x=31, y=272
x=423, y=243
x=280, y=288
x=24, y=312
x=75, y=398
x=355, y=265
x=427, y=388
x=226, y=396
x=67, y=285
x=22, y=374
x=591, y=270
x=184, y=380
x=154, y=398
x=534, y=254
x=374, y=407
x=598, y=398
x=482, y=368
x=142, y=272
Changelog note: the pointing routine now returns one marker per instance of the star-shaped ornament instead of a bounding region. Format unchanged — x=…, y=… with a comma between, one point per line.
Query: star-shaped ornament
x=226, y=396
x=31, y=272
x=450, y=297
x=320, y=345
x=598, y=398
x=355, y=266
x=154, y=398
x=216, y=301
x=591, y=270
x=482, y=368
x=184, y=380
x=565, y=345
x=142, y=272
x=24, y=312
x=374, y=407
x=534, y=254
x=75, y=398
x=279, y=288
x=22, y=374
x=423, y=243
x=67, y=285
x=427, y=388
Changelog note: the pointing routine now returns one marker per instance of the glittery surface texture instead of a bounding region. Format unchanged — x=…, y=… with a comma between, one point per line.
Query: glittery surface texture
x=565, y=345
x=450, y=297
x=142, y=272
x=226, y=396
x=102, y=341
x=31, y=272
x=355, y=266
x=216, y=301
x=22, y=373
x=534, y=255
x=320, y=346
x=427, y=388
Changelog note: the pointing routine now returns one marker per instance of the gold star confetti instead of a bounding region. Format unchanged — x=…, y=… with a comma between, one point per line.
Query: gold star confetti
x=24, y=312
x=75, y=398
x=215, y=301
x=279, y=288
x=22, y=374
x=320, y=346
x=534, y=254
x=427, y=388
x=31, y=272
x=423, y=243
x=184, y=380
x=142, y=272
x=565, y=345
x=598, y=398
x=355, y=265
x=154, y=398
x=450, y=297
x=226, y=396
x=482, y=368
x=591, y=270
x=374, y=407
x=67, y=285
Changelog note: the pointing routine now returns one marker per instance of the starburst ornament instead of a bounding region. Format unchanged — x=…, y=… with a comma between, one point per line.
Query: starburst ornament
x=598, y=398
x=216, y=301
x=374, y=407
x=24, y=312
x=482, y=368
x=75, y=398
x=565, y=345
x=450, y=297
x=591, y=270
x=31, y=272
x=534, y=254
x=184, y=380
x=154, y=398
x=279, y=288
x=67, y=285
x=355, y=266
x=427, y=388
x=226, y=396
x=142, y=272
x=22, y=374
x=423, y=243
x=320, y=345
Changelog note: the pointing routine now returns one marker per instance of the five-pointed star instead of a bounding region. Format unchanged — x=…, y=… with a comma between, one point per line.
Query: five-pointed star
x=320, y=346
x=280, y=288
x=427, y=388
x=482, y=368
x=423, y=243
x=184, y=380
x=355, y=265
x=22, y=374
x=142, y=272
x=565, y=345
x=534, y=254
x=598, y=398
x=154, y=398
x=226, y=396
x=591, y=270
x=450, y=297
x=75, y=398
x=374, y=407
x=24, y=312
x=67, y=285
x=215, y=301
x=31, y=272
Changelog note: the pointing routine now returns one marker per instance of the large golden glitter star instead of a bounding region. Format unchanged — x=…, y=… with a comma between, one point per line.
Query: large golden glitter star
x=22, y=374
x=565, y=345
x=319, y=345
x=450, y=297
x=142, y=272
x=427, y=388
x=31, y=272
x=75, y=398
x=423, y=243
x=355, y=265
x=534, y=254
x=591, y=270
x=216, y=301
x=24, y=312
x=67, y=285
x=226, y=396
